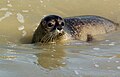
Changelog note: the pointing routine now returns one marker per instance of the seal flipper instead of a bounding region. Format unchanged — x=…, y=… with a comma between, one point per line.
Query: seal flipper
x=89, y=38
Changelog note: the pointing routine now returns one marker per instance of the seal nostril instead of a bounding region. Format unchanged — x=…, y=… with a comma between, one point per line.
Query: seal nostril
x=59, y=28
x=60, y=34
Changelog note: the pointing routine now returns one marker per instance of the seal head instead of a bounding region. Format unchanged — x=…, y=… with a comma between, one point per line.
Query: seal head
x=49, y=30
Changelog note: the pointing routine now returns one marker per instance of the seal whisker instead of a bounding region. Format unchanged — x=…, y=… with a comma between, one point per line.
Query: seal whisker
x=44, y=38
x=53, y=38
x=49, y=38
x=44, y=41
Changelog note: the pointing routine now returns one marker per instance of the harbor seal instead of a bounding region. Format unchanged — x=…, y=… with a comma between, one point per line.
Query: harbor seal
x=54, y=28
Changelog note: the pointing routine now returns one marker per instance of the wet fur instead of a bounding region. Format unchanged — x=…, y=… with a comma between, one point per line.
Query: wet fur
x=81, y=28
x=86, y=27
x=42, y=33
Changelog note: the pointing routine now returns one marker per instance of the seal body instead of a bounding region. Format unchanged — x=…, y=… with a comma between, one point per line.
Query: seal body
x=86, y=27
x=56, y=28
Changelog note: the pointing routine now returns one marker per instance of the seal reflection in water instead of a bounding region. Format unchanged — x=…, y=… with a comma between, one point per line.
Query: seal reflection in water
x=54, y=28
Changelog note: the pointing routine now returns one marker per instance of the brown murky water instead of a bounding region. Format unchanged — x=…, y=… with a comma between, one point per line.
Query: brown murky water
x=18, y=20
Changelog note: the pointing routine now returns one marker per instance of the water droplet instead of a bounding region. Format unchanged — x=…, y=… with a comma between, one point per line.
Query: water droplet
x=76, y=72
x=118, y=67
x=63, y=63
x=117, y=61
x=96, y=65
x=96, y=48
x=8, y=1
x=78, y=43
x=25, y=10
x=11, y=44
x=3, y=9
x=112, y=57
x=41, y=1
x=24, y=33
x=111, y=44
x=9, y=5
x=54, y=50
x=52, y=55
x=7, y=14
x=107, y=40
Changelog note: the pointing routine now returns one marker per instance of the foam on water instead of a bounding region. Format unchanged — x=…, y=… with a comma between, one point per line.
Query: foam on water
x=3, y=9
x=9, y=5
x=118, y=67
x=21, y=27
x=20, y=18
x=24, y=33
x=7, y=14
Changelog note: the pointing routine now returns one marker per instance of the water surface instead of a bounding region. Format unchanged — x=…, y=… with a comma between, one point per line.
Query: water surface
x=19, y=19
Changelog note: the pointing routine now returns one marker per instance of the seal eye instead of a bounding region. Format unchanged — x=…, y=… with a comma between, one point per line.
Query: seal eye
x=50, y=25
x=62, y=23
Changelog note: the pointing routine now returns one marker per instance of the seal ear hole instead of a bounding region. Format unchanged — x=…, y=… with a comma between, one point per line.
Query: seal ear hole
x=43, y=22
x=62, y=23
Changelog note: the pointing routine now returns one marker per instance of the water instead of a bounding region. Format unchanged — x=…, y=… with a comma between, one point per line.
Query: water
x=19, y=19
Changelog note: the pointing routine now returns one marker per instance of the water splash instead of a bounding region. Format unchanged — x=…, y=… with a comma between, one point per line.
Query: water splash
x=96, y=65
x=20, y=18
x=9, y=5
x=117, y=61
x=8, y=1
x=112, y=44
x=118, y=67
x=24, y=33
x=21, y=28
x=25, y=11
x=96, y=49
x=76, y=72
x=3, y=9
x=41, y=1
x=7, y=14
